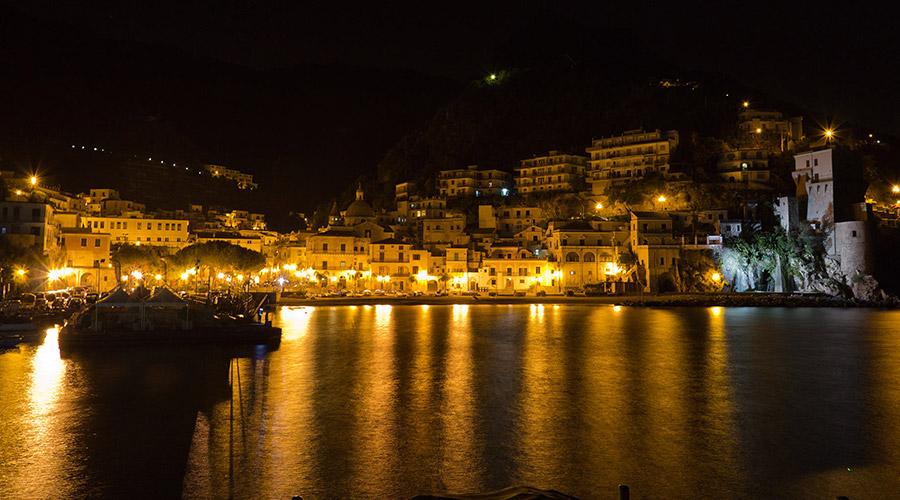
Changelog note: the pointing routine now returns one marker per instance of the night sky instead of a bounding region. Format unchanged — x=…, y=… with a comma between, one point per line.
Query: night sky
x=840, y=63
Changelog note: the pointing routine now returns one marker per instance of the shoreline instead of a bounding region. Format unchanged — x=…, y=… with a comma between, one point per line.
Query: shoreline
x=648, y=300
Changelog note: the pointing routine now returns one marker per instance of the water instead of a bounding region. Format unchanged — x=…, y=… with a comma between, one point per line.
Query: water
x=388, y=402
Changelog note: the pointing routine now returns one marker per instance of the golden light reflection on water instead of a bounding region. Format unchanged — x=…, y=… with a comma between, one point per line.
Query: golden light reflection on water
x=47, y=376
x=537, y=312
x=543, y=398
x=459, y=467
x=45, y=434
x=295, y=322
x=375, y=391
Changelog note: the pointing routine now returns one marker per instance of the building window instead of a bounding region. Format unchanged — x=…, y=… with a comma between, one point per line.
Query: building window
x=854, y=234
x=324, y=247
x=84, y=242
x=96, y=243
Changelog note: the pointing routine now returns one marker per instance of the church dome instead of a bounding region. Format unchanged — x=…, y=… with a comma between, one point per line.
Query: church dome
x=360, y=208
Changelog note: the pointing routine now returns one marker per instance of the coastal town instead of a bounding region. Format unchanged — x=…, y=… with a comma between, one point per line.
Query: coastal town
x=627, y=215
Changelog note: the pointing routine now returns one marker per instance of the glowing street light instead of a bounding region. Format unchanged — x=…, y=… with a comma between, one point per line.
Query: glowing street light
x=598, y=206
x=829, y=134
x=895, y=189
x=18, y=192
x=136, y=275
x=21, y=272
x=661, y=198
x=758, y=130
x=746, y=104
x=716, y=277
x=33, y=180
x=157, y=277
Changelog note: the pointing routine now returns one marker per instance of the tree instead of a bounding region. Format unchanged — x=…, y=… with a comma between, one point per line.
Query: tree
x=219, y=255
x=128, y=258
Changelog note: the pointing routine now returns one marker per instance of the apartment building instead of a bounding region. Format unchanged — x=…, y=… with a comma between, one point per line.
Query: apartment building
x=29, y=225
x=243, y=180
x=171, y=233
x=335, y=252
x=554, y=172
x=248, y=241
x=745, y=168
x=472, y=181
x=87, y=255
x=587, y=253
x=629, y=156
x=507, y=270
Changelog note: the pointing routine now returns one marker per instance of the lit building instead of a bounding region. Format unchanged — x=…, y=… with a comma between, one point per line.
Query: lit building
x=555, y=172
x=243, y=180
x=745, y=168
x=336, y=252
x=629, y=156
x=171, y=233
x=456, y=266
x=470, y=182
x=769, y=129
x=833, y=190
x=250, y=242
x=397, y=265
x=656, y=249
x=516, y=270
x=87, y=257
x=588, y=253
x=404, y=191
x=450, y=230
x=29, y=225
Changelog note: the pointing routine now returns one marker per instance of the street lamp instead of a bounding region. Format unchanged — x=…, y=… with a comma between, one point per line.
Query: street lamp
x=33, y=180
x=661, y=198
x=895, y=189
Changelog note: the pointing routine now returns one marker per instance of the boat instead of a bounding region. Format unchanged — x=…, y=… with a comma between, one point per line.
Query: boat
x=10, y=342
x=162, y=317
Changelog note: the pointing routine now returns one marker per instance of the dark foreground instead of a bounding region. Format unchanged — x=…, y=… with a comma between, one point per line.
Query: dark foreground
x=395, y=401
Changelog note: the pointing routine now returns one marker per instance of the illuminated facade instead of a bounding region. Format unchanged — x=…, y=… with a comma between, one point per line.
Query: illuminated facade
x=555, y=172
x=629, y=156
x=171, y=233
x=471, y=181
x=243, y=180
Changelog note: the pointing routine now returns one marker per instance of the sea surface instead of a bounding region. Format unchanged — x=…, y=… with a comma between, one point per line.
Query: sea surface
x=393, y=401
